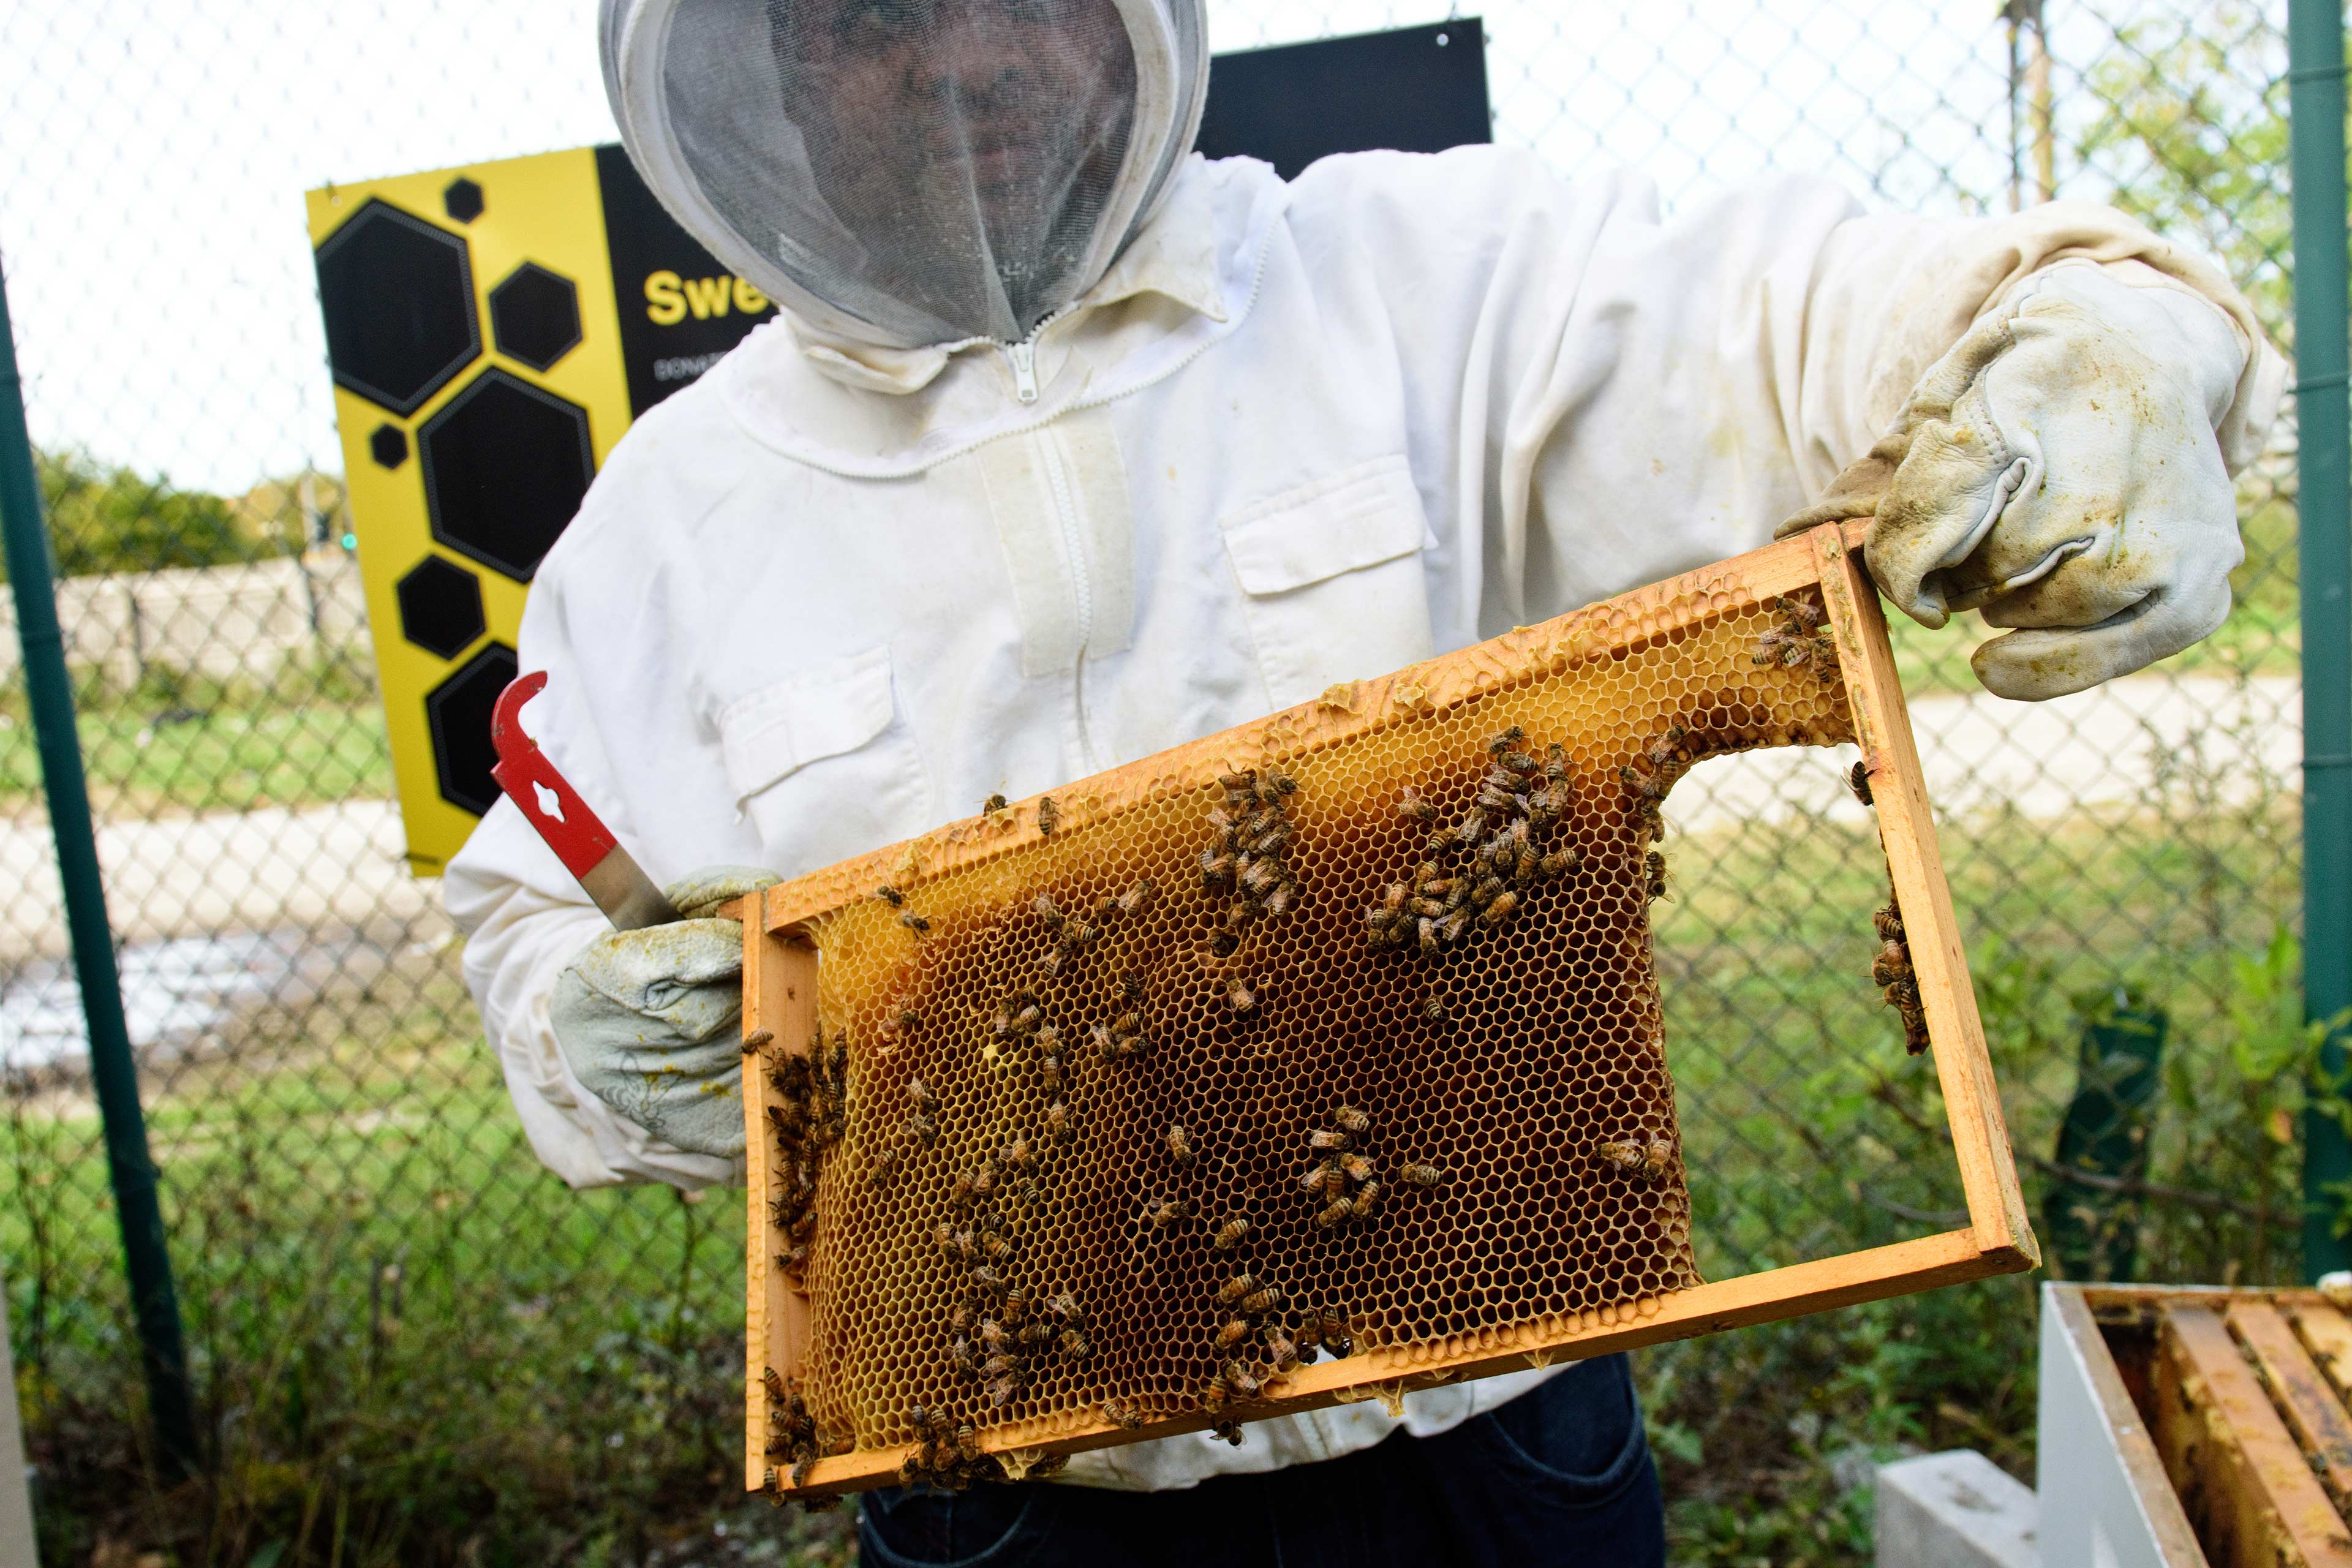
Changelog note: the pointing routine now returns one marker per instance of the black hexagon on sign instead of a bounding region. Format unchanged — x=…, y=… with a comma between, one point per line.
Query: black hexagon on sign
x=505, y=467
x=535, y=316
x=398, y=295
x=462, y=200
x=388, y=445
x=440, y=608
x=457, y=714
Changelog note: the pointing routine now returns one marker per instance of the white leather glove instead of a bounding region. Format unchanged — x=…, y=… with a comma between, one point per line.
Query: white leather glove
x=650, y=1020
x=2058, y=470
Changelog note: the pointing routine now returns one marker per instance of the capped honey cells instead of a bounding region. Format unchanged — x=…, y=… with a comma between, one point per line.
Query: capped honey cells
x=1347, y=1043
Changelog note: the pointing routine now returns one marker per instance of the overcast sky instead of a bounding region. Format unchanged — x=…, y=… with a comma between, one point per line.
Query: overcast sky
x=153, y=155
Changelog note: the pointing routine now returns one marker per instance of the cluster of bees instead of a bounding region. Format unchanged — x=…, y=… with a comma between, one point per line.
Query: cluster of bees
x=997, y=1328
x=792, y=1436
x=1648, y=1157
x=1801, y=637
x=948, y=1456
x=1246, y=866
x=1343, y=1173
x=1482, y=868
x=1074, y=934
x=1891, y=970
x=807, y=1113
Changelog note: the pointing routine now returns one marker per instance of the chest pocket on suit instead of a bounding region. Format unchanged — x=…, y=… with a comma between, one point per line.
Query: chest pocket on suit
x=823, y=764
x=1332, y=579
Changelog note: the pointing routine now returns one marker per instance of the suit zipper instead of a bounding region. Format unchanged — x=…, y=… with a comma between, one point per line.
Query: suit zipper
x=1023, y=357
x=1073, y=550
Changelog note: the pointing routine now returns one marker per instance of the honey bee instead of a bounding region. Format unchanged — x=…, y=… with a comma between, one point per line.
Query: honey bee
x=1655, y=1158
x=961, y=1353
x=1164, y=1213
x=1623, y=1155
x=1049, y=1067
x=1281, y=1349
x=1336, y=1338
x=1050, y=962
x=1453, y=926
x=1413, y=808
x=1180, y=1144
x=1347, y=1118
x=1230, y=1233
x=1216, y=870
x=1002, y=1390
x=1367, y=1198
x=1065, y=1306
x=1504, y=905
x=1213, y=1395
x=890, y=895
x=1235, y=1288
x=1049, y=816
x=1558, y=863
x=1415, y=1175
x=945, y=1235
x=1356, y=1167
x=1498, y=744
x=1339, y=1211
x=1228, y=1431
x=1858, y=780
x=1017, y=1155
x=1122, y=1414
x=1235, y=1330
x=1047, y=909
x=1131, y=901
x=992, y=1336
x=1035, y=1331
x=914, y=923
x=991, y=805
x=1324, y=1141
x=921, y=1128
x=996, y=1246
x=758, y=1038
x=1243, y=782
x=1057, y=1121
x=1075, y=1343
x=1239, y=1378
x=1016, y=1303
x=998, y=1365
x=1238, y=996
x=1655, y=865
x=1262, y=1300
x=1433, y=1008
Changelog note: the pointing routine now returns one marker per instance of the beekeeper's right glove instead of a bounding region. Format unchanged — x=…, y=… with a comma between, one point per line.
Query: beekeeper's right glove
x=650, y=1020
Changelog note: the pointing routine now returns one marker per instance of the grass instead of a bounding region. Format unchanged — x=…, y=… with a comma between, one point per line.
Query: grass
x=312, y=735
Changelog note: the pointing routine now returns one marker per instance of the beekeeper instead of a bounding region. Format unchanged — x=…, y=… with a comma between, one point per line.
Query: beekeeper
x=1069, y=446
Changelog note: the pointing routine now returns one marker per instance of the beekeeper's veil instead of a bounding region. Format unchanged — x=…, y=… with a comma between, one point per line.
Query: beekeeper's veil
x=910, y=172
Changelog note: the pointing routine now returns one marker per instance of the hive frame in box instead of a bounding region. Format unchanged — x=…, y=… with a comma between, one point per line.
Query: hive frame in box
x=779, y=995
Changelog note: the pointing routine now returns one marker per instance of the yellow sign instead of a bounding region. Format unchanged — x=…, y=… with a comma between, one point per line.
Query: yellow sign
x=492, y=329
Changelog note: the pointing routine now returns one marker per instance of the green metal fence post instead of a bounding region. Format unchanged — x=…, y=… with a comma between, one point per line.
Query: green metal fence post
x=155, y=1304
x=2316, y=108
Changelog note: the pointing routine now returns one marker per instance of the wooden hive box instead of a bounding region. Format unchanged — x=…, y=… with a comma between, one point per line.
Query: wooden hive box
x=1373, y=976
x=2188, y=1425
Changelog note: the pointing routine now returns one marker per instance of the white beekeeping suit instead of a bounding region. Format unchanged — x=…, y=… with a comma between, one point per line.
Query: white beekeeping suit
x=1069, y=446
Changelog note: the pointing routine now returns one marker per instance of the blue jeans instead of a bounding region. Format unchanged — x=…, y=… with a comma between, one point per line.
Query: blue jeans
x=1560, y=1475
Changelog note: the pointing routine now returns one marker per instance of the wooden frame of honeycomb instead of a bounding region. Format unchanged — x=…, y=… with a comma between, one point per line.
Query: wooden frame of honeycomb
x=1052, y=1051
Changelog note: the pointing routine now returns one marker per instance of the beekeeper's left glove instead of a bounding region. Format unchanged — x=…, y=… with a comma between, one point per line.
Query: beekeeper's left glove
x=650, y=1020
x=2058, y=470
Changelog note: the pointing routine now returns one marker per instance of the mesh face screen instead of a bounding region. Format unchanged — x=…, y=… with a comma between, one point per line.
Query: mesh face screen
x=1387, y=1000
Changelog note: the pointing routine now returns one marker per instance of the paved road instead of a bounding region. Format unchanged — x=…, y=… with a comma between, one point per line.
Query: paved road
x=339, y=867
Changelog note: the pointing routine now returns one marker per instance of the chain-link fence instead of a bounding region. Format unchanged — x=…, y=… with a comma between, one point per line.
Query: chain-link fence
x=410, y=1343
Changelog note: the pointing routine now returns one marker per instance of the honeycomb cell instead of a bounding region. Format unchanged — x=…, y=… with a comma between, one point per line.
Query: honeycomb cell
x=1253, y=960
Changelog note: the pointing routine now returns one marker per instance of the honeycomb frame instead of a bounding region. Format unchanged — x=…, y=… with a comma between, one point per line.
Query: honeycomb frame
x=789, y=1345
